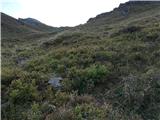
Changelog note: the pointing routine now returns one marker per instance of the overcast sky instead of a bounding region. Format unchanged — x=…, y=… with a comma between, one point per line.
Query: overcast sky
x=58, y=12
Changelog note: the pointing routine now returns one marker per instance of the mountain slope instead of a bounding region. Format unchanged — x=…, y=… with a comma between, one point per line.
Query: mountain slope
x=126, y=10
x=33, y=23
x=125, y=14
x=12, y=27
x=109, y=69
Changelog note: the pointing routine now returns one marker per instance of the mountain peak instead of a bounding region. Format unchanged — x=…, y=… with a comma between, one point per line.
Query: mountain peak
x=36, y=24
x=29, y=20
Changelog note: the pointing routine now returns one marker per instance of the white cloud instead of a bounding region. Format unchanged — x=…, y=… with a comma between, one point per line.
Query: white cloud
x=62, y=12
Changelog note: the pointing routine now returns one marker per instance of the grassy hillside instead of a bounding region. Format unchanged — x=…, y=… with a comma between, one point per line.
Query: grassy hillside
x=110, y=69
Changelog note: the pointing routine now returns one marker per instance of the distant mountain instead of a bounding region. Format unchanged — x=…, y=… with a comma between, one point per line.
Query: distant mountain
x=35, y=24
x=31, y=21
x=12, y=27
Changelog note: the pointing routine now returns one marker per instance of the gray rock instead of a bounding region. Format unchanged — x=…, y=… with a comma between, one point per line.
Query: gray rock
x=55, y=82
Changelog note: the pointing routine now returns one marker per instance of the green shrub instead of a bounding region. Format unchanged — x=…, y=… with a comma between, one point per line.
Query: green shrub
x=9, y=74
x=25, y=53
x=96, y=72
x=62, y=113
x=34, y=113
x=130, y=29
x=22, y=92
x=88, y=112
x=81, y=99
x=61, y=98
x=103, y=56
x=152, y=36
x=84, y=80
x=44, y=64
x=150, y=106
x=35, y=65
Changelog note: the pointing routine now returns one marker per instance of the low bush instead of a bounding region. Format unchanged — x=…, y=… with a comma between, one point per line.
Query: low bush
x=9, y=74
x=34, y=113
x=89, y=112
x=22, y=92
x=61, y=98
x=85, y=80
